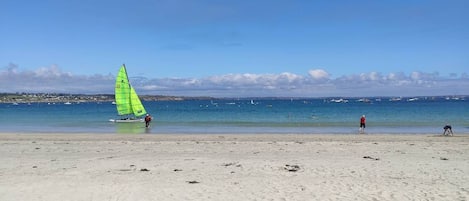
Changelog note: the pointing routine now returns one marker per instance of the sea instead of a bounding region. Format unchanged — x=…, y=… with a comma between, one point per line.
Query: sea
x=246, y=116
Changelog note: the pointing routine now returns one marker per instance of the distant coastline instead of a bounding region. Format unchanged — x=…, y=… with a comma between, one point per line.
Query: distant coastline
x=81, y=98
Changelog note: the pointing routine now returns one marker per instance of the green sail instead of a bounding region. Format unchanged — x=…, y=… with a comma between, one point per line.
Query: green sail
x=127, y=101
x=137, y=106
x=123, y=93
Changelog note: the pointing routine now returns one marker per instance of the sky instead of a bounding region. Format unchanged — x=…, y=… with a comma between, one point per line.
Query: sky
x=232, y=48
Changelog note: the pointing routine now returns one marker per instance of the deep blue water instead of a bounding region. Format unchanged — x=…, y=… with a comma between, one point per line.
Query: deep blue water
x=241, y=116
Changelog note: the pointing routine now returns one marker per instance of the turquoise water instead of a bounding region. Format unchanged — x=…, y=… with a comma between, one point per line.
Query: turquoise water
x=244, y=116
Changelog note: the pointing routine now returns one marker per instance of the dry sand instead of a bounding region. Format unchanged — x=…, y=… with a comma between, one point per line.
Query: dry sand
x=107, y=167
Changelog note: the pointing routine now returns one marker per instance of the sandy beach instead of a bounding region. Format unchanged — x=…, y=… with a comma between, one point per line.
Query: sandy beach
x=79, y=167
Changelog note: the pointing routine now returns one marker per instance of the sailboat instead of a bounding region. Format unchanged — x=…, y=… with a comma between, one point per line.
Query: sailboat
x=128, y=104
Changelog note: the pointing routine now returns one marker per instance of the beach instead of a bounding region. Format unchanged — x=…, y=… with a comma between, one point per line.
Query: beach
x=89, y=166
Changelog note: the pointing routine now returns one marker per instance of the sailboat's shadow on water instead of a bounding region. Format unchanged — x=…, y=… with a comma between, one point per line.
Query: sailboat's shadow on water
x=131, y=128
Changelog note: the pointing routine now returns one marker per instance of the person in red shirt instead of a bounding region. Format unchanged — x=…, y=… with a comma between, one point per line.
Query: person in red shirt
x=147, y=120
x=362, y=124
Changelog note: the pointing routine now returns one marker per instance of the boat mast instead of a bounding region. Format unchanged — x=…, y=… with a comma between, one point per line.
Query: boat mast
x=128, y=82
x=127, y=76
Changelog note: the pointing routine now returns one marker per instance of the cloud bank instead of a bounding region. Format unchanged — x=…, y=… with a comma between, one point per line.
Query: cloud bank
x=315, y=83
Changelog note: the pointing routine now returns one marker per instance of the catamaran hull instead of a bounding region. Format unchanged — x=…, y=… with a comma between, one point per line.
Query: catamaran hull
x=126, y=120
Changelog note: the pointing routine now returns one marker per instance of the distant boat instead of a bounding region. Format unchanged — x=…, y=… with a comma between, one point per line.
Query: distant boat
x=213, y=103
x=395, y=99
x=341, y=100
x=253, y=103
x=128, y=104
x=364, y=100
x=455, y=98
x=67, y=103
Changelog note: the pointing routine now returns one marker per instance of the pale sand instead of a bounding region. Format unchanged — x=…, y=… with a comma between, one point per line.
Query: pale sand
x=71, y=167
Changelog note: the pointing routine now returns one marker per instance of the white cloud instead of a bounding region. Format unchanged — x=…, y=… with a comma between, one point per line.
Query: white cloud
x=52, y=79
x=415, y=76
x=316, y=83
x=51, y=72
x=319, y=74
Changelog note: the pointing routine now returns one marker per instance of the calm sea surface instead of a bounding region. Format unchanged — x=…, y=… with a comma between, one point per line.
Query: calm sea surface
x=308, y=116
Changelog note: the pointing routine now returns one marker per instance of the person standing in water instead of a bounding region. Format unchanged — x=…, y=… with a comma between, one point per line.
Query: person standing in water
x=362, y=124
x=147, y=120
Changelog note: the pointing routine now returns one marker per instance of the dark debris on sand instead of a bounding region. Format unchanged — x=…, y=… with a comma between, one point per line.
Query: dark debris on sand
x=236, y=164
x=372, y=158
x=291, y=168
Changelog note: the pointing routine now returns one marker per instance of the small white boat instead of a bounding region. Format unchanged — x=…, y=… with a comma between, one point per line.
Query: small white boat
x=341, y=100
x=364, y=100
x=395, y=99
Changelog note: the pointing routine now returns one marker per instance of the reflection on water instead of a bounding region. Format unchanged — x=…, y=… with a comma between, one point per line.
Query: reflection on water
x=131, y=128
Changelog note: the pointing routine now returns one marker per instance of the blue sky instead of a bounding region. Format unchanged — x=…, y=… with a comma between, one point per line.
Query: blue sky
x=237, y=48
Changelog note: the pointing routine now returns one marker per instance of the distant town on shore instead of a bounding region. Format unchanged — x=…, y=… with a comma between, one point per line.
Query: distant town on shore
x=81, y=98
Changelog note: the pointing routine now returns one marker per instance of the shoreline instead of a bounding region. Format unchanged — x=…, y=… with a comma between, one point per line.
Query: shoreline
x=309, y=137
x=89, y=166
x=105, y=128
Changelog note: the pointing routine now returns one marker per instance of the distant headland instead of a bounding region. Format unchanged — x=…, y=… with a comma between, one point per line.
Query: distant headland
x=81, y=98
